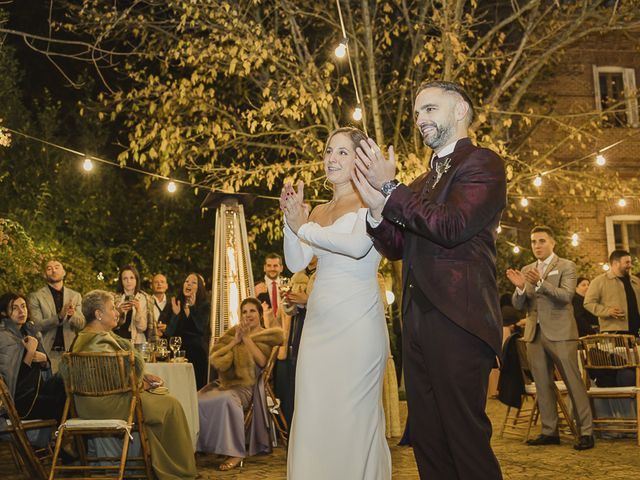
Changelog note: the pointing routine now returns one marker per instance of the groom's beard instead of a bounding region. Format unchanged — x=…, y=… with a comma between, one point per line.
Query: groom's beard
x=440, y=138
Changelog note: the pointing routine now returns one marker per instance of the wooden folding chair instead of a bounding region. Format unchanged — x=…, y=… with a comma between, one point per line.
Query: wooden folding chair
x=92, y=374
x=612, y=352
x=274, y=409
x=518, y=421
x=28, y=460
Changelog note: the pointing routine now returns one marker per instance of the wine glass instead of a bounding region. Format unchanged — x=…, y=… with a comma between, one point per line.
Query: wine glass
x=284, y=286
x=162, y=349
x=175, y=343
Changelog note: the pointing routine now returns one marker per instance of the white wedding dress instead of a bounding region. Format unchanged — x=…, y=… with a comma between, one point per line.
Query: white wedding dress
x=338, y=431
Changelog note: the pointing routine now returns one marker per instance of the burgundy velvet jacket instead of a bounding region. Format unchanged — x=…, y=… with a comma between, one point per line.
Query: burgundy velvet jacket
x=446, y=235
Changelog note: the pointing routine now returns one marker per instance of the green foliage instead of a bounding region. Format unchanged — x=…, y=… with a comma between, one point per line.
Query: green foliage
x=94, y=223
x=22, y=261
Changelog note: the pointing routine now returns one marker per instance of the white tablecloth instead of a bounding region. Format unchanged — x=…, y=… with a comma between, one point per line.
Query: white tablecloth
x=180, y=379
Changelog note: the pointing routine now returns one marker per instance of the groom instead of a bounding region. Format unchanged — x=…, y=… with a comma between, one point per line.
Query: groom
x=443, y=226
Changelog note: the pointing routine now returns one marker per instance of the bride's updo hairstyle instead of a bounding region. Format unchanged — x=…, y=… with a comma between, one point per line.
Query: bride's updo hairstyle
x=355, y=134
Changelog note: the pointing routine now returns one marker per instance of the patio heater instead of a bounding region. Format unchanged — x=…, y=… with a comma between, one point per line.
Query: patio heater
x=232, y=278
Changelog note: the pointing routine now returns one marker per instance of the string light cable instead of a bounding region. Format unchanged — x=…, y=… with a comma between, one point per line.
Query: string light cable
x=358, y=111
x=87, y=165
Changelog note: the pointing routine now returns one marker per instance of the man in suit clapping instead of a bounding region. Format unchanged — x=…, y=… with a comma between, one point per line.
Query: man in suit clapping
x=545, y=289
x=56, y=312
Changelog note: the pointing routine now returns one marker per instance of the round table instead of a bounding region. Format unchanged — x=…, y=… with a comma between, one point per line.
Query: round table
x=180, y=379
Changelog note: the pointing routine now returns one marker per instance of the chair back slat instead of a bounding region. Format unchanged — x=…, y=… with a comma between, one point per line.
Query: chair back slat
x=96, y=374
x=268, y=369
x=525, y=368
x=609, y=351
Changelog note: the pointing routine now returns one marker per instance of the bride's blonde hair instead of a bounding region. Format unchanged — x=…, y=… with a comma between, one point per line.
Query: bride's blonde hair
x=354, y=134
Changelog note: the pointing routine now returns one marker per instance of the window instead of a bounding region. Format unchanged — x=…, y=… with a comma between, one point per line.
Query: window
x=623, y=232
x=615, y=89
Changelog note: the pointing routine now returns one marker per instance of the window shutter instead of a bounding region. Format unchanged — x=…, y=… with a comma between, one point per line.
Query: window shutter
x=631, y=95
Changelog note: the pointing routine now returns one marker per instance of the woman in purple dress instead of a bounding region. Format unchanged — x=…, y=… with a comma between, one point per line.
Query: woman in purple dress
x=238, y=356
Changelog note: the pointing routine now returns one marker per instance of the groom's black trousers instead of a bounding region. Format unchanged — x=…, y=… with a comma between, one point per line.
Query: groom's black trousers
x=446, y=372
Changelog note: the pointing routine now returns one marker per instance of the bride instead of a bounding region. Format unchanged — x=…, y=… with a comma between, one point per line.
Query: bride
x=337, y=429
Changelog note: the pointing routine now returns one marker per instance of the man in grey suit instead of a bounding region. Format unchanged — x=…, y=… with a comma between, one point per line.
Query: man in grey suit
x=56, y=311
x=545, y=288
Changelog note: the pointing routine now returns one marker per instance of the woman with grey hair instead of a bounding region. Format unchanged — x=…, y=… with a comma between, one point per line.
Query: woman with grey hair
x=165, y=423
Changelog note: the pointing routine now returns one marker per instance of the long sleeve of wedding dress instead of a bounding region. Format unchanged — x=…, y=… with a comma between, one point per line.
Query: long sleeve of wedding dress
x=355, y=244
x=297, y=254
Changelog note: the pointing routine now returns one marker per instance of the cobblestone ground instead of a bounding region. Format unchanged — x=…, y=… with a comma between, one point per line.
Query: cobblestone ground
x=610, y=460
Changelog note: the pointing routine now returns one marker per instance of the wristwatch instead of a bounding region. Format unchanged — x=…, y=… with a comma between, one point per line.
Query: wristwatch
x=388, y=187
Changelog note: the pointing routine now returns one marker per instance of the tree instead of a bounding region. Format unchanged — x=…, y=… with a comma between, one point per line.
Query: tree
x=241, y=95
x=94, y=223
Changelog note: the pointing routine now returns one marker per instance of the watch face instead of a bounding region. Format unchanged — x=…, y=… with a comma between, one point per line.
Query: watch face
x=388, y=187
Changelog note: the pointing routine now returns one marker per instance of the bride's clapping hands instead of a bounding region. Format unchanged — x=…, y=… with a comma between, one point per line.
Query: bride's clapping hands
x=296, y=212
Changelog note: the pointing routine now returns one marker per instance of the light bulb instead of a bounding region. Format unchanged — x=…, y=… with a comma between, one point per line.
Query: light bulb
x=600, y=160
x=172, y=187
x=516, y=249
x=390, y=297
x=341, y=50
x=499, y=229
x=622, y=202
x=357, y=114
x=87, y=165
x=524, y=201
x=537, y=182
x=606, y=267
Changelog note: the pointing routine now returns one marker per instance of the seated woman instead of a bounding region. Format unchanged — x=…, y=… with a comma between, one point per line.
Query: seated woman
x=237, y=356
x=166, y=426
x=24, y=365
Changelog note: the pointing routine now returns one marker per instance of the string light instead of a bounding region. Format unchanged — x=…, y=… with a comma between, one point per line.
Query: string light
x=622, y=202
x=516, y=249
x=390, y=297
x=87, y=165
x=537, y=182
x=606, y=267
x=341, y=51
x=574, y=239
x=524, y=201
x=499, y=229
x=113, y=163
x=172, y=187
x=600, y=160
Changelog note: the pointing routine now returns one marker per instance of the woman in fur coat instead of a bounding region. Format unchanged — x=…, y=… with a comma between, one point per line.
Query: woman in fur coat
x=239, y=357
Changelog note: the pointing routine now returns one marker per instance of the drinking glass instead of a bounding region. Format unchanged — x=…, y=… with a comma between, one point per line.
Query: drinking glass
x=175, y=343
x=145, y=350
x=285, y=285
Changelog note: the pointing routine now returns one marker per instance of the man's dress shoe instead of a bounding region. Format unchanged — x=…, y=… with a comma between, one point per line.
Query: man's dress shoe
x=585, y=442
x=544, y=440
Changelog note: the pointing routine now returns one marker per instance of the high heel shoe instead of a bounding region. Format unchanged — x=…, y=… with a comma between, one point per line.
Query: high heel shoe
x=231, y=464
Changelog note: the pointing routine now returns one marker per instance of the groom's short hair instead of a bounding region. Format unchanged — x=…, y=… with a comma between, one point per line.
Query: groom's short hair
x=450, y=87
